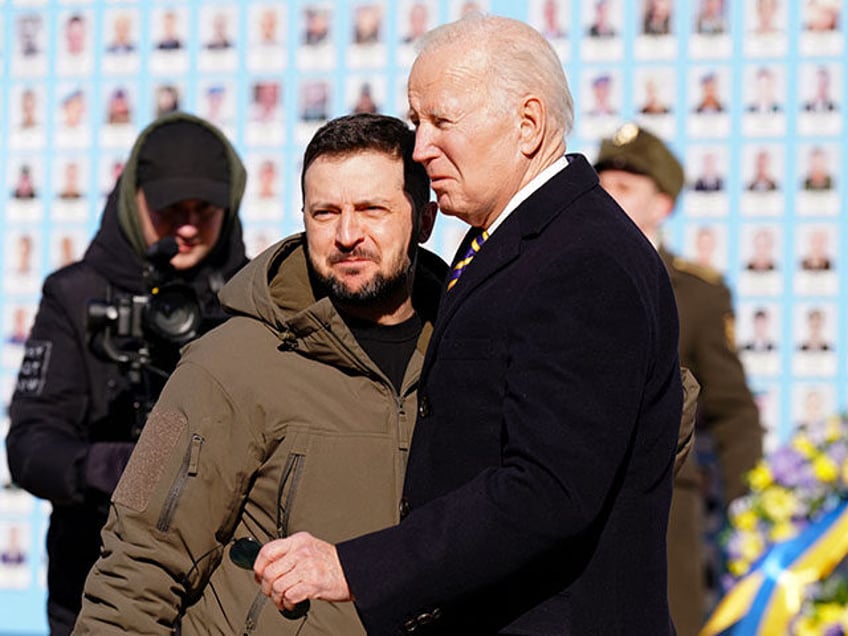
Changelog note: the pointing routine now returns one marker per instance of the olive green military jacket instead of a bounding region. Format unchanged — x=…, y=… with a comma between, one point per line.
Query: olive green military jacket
x=273, y=423
x=727, y=410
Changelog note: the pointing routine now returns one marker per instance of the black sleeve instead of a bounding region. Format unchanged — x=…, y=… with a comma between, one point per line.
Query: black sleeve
x=47, y=441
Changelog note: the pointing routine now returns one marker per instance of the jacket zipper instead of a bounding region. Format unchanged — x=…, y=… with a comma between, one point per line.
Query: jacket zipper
x=292, y=469
x=252, y=621
x=187, y=469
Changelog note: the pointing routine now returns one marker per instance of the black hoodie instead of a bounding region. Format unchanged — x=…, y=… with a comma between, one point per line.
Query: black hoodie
x=71, y=405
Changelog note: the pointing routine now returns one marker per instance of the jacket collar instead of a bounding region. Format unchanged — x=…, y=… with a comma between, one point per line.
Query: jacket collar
x=526, y=222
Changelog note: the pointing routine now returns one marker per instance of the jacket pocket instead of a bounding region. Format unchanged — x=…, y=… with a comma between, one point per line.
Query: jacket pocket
x=188, y=468
x=289, y=481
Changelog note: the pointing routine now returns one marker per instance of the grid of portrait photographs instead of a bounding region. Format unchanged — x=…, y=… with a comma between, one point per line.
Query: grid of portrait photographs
x=749, y=94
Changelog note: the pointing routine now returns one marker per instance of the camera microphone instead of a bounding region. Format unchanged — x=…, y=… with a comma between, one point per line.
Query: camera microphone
x=161, y=252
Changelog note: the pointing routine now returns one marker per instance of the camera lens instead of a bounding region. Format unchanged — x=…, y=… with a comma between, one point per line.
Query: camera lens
x=173, y=313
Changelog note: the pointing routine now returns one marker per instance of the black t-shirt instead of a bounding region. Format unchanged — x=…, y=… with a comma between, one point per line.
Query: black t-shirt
x=389, y=346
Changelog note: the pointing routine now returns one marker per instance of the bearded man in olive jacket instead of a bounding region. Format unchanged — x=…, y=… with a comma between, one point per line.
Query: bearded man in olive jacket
x=296, y=414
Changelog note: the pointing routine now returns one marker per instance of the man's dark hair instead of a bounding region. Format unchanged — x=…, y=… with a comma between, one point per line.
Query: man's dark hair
x=366, y=131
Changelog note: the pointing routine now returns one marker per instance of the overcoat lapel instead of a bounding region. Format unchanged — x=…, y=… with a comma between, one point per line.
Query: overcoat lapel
x=504, y=246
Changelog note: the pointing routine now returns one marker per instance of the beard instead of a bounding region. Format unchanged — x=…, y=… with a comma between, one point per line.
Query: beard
x=381, y=288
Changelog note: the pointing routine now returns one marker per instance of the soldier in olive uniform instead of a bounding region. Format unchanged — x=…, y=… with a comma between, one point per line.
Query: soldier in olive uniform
x=642, y=174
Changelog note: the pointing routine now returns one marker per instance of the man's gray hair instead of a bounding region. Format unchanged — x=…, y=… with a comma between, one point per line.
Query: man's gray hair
x=522, y=61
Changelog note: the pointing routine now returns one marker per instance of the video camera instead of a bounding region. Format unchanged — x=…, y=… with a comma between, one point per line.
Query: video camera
x=143, y=333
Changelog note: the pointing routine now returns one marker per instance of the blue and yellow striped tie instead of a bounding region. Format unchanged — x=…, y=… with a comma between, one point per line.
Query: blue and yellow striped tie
x=460, y=266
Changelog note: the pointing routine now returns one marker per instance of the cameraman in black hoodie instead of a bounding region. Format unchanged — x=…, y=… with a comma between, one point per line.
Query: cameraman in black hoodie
x=85, y=384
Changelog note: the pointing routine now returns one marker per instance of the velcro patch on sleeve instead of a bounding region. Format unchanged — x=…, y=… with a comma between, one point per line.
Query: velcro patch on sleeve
x=33, y=373
x=162, y=433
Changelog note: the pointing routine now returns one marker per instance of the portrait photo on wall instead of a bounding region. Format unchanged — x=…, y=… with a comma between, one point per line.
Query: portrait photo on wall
x=821, y=34
x=764, y=94
x=218, y=26
x=29, y=54
x=216, y=101
x=21, y=255
x=655, y=37
x=267, y=42
x=708, y=166
x=70, y=178
x=72, y=118
x=121, y=28
x=367, y=46
x=550, y=18
x=758, y=327
x=76, y=54
x=812, y=404
x=167, y=98
x=706, y=193
x=265, y=124
x=814, y=333
x=820, y=85
x=169, y=40
x=600, y=101
x=710, y=36
x=706, y=245
x=762, y=174
x=765, y=28
x=758, y=332
x=761, y=260
x=27, y=117
x=365, y=94
x=602, y=29
x=655, y=91
x=818, y=188
x=14, y=554
x=265, y=189
x=709, y=91
x=316, y=34
x=816, y=249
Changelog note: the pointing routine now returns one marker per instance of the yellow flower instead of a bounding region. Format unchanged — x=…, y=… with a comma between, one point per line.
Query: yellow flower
x=825, y=469
x=807, y=626
x=782, y=531
x=760, y=476
x=745, y=520
x=751, y=545
x=779, y=503
x=738, y=567
x=833, y=428
x=804, y=446
x=830, y=613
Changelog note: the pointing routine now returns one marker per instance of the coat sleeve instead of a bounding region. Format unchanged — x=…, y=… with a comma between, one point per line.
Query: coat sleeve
x=727, y=408
x=174, y=509
x=581, y=347
x=47, y=441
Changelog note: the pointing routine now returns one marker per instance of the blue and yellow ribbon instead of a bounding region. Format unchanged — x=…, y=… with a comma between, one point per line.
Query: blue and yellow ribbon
x=764, y=601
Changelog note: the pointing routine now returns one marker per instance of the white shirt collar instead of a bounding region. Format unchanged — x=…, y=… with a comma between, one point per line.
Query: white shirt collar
x=534, y=184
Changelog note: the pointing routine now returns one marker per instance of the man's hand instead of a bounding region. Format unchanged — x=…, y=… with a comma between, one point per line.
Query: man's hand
x=299, y=567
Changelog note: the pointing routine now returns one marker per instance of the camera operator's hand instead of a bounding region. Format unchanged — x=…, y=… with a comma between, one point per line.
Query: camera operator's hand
x=105, y=464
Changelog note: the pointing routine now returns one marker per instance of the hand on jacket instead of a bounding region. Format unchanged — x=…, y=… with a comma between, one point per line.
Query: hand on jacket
x=105, y=464
x=299, y=567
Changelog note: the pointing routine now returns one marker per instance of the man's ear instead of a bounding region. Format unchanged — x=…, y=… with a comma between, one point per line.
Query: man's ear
x=428, y=220
x=665, y=206
x=533, y=121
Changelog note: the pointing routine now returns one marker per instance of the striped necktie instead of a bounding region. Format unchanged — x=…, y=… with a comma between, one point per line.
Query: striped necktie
x=460, y=266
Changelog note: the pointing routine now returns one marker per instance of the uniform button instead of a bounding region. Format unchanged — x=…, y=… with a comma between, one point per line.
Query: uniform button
x=410, y=626
x=423, y=407
x=404, y=507
x=425, y=618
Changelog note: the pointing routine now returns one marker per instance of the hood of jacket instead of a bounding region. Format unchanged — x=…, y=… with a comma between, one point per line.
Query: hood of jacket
x=118, y=249
x=275, y=288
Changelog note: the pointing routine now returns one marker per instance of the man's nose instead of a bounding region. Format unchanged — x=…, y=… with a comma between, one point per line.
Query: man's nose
x=348, y=228
x=424, y=149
